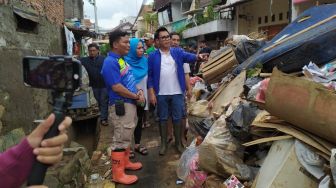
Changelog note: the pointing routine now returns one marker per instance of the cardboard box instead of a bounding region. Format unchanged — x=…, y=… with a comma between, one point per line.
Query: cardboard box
x=303, y=103
x=281, y=169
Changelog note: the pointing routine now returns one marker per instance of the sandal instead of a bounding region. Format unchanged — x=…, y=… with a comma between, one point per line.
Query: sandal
x=132, y=154
x=141, y=149
x=147, y=124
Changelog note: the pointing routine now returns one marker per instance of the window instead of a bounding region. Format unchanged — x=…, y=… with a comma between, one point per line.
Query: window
x=266, y=19
x=25, y=25
x=26, y=22
x=280, y=16
x=259, y=20
x=273, y=18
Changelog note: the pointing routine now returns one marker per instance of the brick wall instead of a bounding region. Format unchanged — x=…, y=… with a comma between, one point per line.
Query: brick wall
x=53, y=10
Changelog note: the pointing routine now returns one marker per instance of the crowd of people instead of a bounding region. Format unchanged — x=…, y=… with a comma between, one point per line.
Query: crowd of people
x=136, y=74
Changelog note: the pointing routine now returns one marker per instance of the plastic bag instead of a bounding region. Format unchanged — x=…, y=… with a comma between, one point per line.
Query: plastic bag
x=249, y=85
x=240, y=120
x=183, y=168
x=196, y=177
x=201, y=126
x=220, y=152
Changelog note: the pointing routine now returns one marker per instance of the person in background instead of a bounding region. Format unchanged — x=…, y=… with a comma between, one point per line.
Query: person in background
x=139, y=68
x=166, y=84
x=17, y=161
x=204, y=49
x=149, y=41
x=151, y=46
x=123, y=96
x=176, y=40
x=93, y=65
x=192, y=48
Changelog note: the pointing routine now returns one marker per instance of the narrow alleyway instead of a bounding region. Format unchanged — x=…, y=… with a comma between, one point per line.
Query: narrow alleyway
x=158, y=171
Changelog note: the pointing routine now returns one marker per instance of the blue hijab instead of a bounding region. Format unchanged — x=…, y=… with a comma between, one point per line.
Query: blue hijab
x=139, y=65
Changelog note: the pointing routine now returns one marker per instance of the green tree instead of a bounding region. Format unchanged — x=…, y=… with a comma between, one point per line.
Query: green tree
x=151, y=21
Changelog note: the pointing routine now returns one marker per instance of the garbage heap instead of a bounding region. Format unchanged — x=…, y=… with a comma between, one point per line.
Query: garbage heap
x=262, y=127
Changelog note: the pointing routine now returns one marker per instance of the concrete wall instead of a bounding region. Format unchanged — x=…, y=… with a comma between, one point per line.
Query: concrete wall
x=73, y=9
x=247, y=14
x=177, y=10
x=22, y=104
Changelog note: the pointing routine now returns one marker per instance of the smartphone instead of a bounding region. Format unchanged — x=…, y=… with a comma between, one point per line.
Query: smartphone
x=59, y=73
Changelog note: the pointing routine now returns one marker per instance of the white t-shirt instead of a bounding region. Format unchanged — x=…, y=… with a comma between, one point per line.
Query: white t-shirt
x=169, y=84
x=186, y=68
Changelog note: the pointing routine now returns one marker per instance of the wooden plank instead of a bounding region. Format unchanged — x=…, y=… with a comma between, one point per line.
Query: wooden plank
x=219, y=57
x=218, y=77
x=269, y=139
x=215, y=63
x=219, y=90
x=223, y=68
x=265, y=75
x=295, y=133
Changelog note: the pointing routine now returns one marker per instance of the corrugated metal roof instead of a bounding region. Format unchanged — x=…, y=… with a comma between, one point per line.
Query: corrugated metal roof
x=26, y=15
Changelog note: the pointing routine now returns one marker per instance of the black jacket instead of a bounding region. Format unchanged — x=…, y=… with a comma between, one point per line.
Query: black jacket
x=93, y=67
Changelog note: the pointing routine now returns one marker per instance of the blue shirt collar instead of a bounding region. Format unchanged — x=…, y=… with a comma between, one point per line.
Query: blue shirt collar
x=114, y=55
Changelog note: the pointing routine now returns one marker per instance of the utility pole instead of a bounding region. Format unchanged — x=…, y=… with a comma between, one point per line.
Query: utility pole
x=93, y=2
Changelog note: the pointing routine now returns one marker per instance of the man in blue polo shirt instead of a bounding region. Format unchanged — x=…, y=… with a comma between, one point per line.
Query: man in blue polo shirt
x=123, y=96
x=166, y=83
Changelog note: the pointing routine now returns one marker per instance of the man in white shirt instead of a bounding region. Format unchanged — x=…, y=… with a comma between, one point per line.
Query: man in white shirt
x=166, y=83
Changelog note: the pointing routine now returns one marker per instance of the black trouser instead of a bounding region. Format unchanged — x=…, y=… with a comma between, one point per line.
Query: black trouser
x=138, y=128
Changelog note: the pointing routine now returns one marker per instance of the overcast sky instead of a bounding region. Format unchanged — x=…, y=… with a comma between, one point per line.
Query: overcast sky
x=110, y=12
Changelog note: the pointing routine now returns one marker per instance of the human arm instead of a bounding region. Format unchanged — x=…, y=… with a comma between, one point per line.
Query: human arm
x=192, y=58
x=188, y=86
x=112, y=77
x=150, y=83
x=152, y=96
x=124, y=92
x=16, y=162
x=186, y=68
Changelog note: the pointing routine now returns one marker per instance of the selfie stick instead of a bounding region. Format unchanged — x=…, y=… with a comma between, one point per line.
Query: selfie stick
x=61, y=100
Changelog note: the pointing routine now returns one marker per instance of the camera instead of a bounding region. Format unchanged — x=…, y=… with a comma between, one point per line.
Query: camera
x=59, y=73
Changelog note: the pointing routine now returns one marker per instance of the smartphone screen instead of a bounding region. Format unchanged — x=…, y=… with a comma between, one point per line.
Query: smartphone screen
x=49, y=73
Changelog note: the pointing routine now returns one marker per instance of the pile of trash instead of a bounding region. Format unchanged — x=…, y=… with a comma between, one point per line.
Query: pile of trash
x=262, y=127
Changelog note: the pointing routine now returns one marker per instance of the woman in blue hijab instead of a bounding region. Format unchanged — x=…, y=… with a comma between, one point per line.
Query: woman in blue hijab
x=139, y=67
